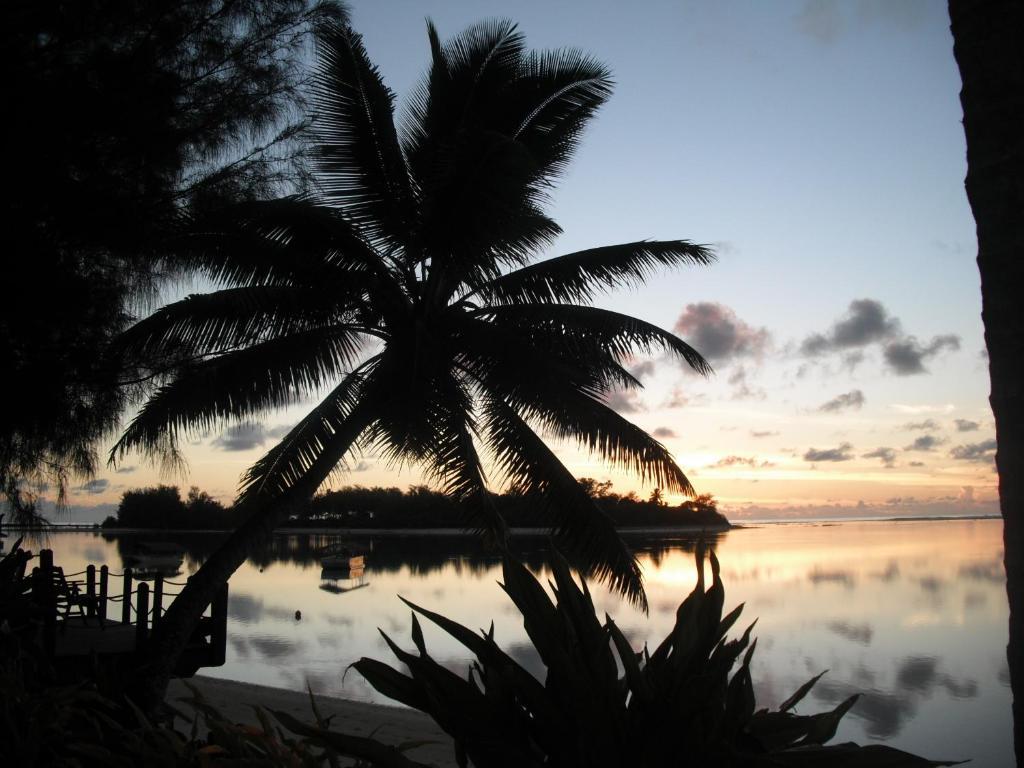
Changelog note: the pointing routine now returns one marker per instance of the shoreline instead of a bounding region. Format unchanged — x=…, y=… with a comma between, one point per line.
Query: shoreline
x=399, y=532
x=390, y=724
x=521, y=532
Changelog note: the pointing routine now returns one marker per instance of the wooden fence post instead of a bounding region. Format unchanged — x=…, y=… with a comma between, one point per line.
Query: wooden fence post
x=48, y=599
x=90, y=590
x=102, y=607
x=158, y=598
x=126, y=598
x=141, y=614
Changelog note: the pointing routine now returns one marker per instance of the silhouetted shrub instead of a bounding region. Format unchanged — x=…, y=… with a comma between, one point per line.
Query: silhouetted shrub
x=602, y=703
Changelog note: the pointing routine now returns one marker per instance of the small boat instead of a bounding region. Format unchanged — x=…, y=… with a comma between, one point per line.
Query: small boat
x=340, y=559
x=339, y=581
x=149, y=558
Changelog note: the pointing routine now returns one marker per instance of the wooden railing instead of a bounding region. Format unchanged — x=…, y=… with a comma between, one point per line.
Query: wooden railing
x=142, y=606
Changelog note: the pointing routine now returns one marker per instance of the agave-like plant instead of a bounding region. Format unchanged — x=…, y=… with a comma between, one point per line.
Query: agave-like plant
x=604, y=704
x=405, y=289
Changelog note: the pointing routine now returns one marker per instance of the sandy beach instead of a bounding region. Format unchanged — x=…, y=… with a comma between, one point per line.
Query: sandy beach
x=391, y=725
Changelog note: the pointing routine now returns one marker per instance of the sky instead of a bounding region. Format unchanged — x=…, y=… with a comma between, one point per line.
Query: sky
x=818, y=146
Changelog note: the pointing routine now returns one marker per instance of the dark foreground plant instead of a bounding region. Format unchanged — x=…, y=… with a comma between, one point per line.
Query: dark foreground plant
x=604, y=704
x=76, y=725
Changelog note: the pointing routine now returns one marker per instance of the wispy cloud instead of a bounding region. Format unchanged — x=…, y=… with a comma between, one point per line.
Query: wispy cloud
x=983, y=452
x=852, y=400
x=716, y=332
x=842, y=453
x=925, y=443
x=887, y=456
x=868, y=322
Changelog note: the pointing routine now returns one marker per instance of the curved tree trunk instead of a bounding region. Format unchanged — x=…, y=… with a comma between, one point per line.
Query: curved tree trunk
x=177, y=625
x=988, y=37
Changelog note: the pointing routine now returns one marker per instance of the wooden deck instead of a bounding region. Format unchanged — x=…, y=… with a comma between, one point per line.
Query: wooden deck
x=79, y=626
x=73, y=638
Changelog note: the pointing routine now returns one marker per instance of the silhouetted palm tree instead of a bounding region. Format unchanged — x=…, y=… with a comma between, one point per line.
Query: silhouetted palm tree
x=407, y=288
x=987, y=43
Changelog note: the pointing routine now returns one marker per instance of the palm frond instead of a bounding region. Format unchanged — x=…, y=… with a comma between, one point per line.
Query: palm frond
x=453, y=459
x=575, y=325
x=360, y=167
x=468, y=78
x=558, y=93
x=577, y=277
x=584, y=533
x=289, y=241
x=315, y=446
x=602, y=431
x=237, y=385
x=567, y=401
x=489, y=352
x=208, y=323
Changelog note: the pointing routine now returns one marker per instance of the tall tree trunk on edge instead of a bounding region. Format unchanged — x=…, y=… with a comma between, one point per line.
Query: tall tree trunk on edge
x=988, y=42
x=175, y=628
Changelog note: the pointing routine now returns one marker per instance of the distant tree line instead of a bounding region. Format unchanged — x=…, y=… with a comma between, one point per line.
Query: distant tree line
x=162, y=507
x=420, y=507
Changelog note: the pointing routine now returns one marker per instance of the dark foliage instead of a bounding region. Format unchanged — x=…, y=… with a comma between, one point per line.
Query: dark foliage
x=162, y=507
x=602, y=702
x=123, y=116
x=357, y=507
x=47, y=720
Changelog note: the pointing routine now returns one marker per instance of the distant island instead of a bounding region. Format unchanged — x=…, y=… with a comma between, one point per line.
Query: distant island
x=418, y=508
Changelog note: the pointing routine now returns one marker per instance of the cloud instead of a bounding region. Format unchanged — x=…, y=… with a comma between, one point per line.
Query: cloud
x=842, y=453
x=827, y=21
x=641, y=369
x=964, y=425
x=820, y=20
x=934, y=506
x=866, y=321
x=742, y=389
x=916, y=409
x=93, y=487
x=887, y=455
x=243, y=437
x=928, y=425
x=906, y=357
x=679, y=399
x=917, y=464
x=983, y=452
x=624, y=401
x=279, y=431
x=924, y=443
x=852, y=359
x=716, y=332
x=765, y=433
x=852, y=399
x=663, y=432
x=125, y=470
x=740, y=461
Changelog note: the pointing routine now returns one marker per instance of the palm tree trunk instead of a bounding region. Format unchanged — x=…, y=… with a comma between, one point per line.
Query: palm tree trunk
x=177, y=625
x=987, y=43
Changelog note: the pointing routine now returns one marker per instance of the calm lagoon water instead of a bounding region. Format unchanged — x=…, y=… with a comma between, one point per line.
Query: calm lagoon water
x=911, y=614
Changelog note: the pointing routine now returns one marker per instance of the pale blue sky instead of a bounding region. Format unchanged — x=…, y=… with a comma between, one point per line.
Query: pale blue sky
x=819, y=144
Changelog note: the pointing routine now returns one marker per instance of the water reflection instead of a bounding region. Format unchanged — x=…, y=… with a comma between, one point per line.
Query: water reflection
x=910, y=615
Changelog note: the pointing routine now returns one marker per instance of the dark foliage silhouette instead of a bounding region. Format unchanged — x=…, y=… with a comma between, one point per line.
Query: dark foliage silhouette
x=125, y=115
x=405, y=290
x=602, y=702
